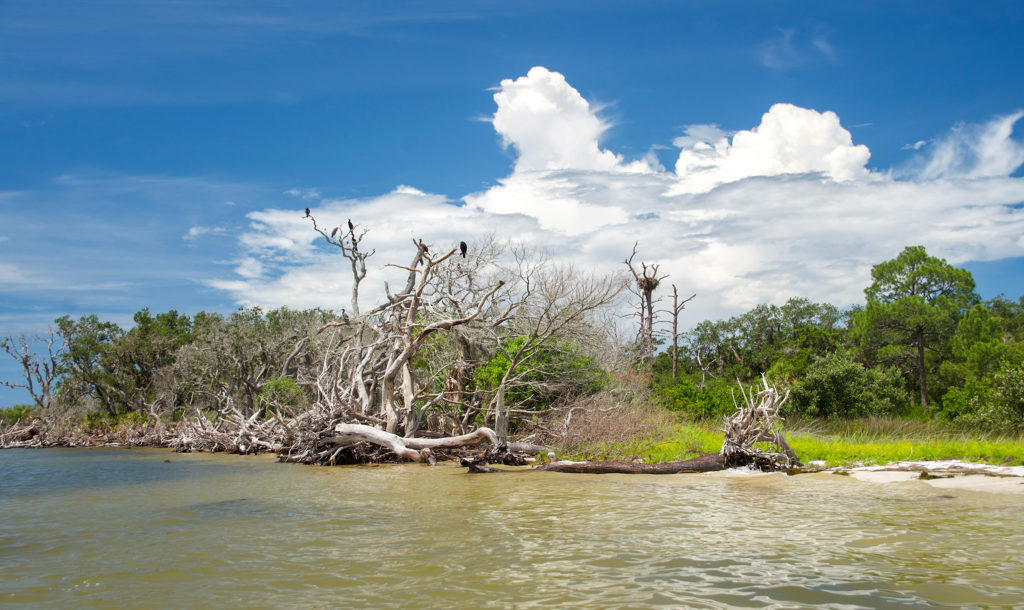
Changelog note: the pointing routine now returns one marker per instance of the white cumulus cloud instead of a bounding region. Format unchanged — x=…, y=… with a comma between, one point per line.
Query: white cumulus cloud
x=551, y=126
x=789, y=140
x=784, y=208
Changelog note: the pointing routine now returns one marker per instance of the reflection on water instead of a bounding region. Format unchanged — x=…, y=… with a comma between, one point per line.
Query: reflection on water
x=113, y=528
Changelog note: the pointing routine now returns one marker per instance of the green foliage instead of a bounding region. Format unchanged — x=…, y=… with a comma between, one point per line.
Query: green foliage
x=838, y=452
x=121, y=370
x=88, y=360
x=231, y=358
x=100, y=422
x=554, y=369
x=873, y=440
x=913, y=306
x=745, y=346
x=16, y=413
x=994, y=402
x=282, y=395
x=710, y=401
x=838, y=386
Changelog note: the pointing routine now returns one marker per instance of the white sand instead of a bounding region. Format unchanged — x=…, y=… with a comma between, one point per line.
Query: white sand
x=968, y=475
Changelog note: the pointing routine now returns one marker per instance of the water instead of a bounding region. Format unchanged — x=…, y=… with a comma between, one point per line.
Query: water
x=111, y=528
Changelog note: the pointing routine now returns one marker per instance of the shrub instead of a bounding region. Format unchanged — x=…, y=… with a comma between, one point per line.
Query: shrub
x=995, y=402
x=838, y=386
x=12, y=415
x=282, y=394
x=711, y=401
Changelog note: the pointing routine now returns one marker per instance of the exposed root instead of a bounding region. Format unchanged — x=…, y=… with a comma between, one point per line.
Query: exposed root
x=753, y=435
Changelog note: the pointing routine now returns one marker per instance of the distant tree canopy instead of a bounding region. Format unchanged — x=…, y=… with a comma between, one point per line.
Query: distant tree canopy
x=923, y=342
x=922, y=338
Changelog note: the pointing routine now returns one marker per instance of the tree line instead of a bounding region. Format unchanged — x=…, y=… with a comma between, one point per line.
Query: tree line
x=488, y=335
x=503, y=335
x=923, y=343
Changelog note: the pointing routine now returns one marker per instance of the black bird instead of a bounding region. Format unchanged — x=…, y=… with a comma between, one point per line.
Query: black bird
x=307, y=212
x=335, y=231
x=462, y=248
x=425, y=250
x=351, y=227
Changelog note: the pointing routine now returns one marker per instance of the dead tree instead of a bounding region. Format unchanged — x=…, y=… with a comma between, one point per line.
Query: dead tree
x=551, y=303
x=39, y=359
x=647, y=281
x=345, y=238
x=677, y=308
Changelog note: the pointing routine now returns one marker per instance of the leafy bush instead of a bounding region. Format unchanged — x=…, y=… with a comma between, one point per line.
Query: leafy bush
x=711, y=401
x=995, y=402
x=282, y=394
x=554, y=371
x=838, y=386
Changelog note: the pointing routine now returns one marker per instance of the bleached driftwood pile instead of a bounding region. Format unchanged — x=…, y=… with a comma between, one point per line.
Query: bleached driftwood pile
x=753, y=435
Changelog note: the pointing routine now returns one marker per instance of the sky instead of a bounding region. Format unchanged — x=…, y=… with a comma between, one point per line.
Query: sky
x=160, y=154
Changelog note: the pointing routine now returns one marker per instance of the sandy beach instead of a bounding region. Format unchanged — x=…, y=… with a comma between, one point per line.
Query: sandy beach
x=946, y=474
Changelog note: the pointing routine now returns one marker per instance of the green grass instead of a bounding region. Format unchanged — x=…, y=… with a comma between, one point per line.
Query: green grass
x=881, y=440
x=859, y=441
x=686, y=441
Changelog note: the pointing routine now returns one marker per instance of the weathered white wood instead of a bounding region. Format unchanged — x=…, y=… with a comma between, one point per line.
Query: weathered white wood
x=475, y=437
x=349, y=433
x=406, y=448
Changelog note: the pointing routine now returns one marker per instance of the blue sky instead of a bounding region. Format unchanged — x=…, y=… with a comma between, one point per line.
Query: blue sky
x=156, y=154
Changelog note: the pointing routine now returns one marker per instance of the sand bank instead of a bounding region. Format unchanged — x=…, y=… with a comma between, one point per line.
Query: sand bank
x=947, y=474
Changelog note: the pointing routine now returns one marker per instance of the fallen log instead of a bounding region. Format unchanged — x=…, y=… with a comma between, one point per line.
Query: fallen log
x=414, y=449
x=753, y=437
x=706, y=463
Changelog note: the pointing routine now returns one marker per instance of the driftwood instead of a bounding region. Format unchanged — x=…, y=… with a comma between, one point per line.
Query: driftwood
x=52, y=431
x=706, y=463
x=408, y=448
x=753, y=435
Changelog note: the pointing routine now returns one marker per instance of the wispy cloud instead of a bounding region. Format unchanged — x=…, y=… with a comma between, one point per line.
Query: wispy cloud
x=41, y=39
x=971, y=151
x=303, y=193
x=195, y=233
x=113, y=242
x=789, y=49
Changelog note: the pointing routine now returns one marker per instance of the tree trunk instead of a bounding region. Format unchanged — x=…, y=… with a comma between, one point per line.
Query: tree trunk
x=501, y=415
x=921, y=371
x=408, y=448
x=705, y=463
x=411, y=419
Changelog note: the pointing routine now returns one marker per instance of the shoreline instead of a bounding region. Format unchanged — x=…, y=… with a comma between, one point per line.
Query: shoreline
x=944, y=474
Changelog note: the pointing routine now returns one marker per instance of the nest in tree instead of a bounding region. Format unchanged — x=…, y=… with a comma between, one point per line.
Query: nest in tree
x=648, y=284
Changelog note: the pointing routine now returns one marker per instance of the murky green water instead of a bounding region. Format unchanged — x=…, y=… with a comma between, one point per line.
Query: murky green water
x=106, y=528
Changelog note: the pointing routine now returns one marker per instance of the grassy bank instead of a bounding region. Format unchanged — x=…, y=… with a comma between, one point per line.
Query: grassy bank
x=884, y=440
x=837, y=442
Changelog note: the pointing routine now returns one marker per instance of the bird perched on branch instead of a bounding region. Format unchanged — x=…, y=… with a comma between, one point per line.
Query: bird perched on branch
x=335, y=231
x=462, y=248
x=307, y=212
x=351, y=227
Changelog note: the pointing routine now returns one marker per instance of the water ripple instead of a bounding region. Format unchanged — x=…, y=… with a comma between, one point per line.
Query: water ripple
x=128, y=528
